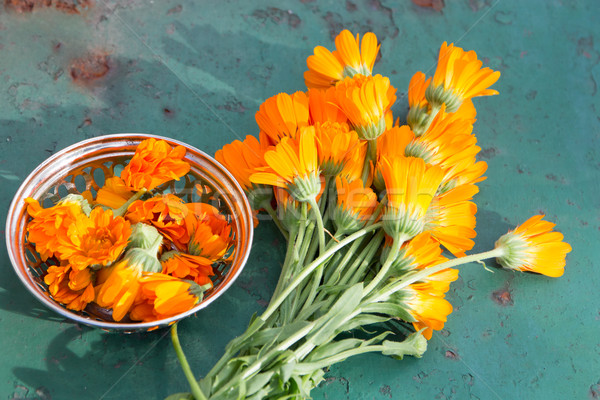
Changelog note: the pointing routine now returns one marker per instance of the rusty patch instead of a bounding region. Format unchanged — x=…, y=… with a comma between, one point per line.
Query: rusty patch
x=437, y=5
x=66, y=6
x=503, y=297
x=451, y=355
x=90, y=67
x=175, y=10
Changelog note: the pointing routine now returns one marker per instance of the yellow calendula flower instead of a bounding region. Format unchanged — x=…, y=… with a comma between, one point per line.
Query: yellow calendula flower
x=410, y=186
x=355, y=205
x=451, y=219
x=293, y=165
x=534, y=247
x=350, y=58
x=458, y=77
x=283, y=115
x=391, y=144
x=366, y=100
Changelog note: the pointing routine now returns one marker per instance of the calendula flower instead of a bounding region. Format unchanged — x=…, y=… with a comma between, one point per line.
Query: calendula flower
x=155, y=162
x=392, y=143
x=114, y=194
x=95, y=240
x=164, y=296
x=49, y=225
x=187, y=266
x=355, y=205
x=420, y=252
x=323, y=107
x=283, y=115
x=167, y=213
x=458, y=77
x=410, y=186
x=418, y=113
x=535, y=247
x=451, y=219
x=336, y=144
x=293, y=165
x=70, y=287
x=118, y=287
x=210, y=238
x=429, y=311
x=366, y=101
x=354, y=166
x=326, y=68
x=242, y=159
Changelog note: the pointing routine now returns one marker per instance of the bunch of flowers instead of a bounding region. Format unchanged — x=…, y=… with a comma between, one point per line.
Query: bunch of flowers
x=135, y=248
x=376, y=215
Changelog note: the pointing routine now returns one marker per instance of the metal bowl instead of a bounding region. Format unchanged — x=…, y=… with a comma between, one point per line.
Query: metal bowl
x=85, y=166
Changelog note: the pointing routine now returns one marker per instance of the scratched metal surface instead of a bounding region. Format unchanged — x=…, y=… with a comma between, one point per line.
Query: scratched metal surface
x=197, y=72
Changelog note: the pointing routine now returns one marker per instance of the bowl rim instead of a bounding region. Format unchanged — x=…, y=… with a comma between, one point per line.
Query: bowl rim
x=26, y=278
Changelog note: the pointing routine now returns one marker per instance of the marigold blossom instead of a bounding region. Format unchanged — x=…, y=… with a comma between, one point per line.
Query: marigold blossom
x=355, y=205
x=283, y=115
x=458, y=77
x=154, y=163
x=49, y=224
x=351, y=57
x=95, y=240
x=410, y=187
x=293, y=165
x=534, y=247
x=366, y=101
x=336, y=144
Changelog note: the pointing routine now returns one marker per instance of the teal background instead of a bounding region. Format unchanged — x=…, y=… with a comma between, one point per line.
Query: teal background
x=198, y=71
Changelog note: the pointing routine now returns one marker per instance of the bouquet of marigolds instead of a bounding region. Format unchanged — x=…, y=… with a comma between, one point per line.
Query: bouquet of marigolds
x=133, y=248
x=376, y=215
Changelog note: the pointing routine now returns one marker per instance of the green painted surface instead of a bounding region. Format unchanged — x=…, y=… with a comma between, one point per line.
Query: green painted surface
x=197, y=72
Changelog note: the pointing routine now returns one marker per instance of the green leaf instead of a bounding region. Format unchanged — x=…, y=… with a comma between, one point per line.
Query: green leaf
x=365, y=319
x=258, y=382
x=414, y=345
x=392, y=309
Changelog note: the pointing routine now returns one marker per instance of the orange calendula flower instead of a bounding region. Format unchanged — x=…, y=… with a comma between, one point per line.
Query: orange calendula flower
x=95, y=240
x=167, y=213
x=49, y=224
x=70, y=287
x=118, y=286
x=391, y=144
x=351, y=57
x=242, y=159
x=114, y=193
x=336, y=144
x=534, y=247
x=355, y=205
x=210, y=237
x=458, y=77
x=410, y=186
x=187, y=266
x=293, y=165
x=155, y=162
x=323, y=107
x=283, y=115
x=366, y=101
x=163, y=296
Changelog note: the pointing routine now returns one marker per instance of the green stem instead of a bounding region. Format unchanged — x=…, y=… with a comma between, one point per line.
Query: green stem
x=423, y=273
x=196, y=391
x=307, y=270
x=119, y=212
x=285, y=269
x=363, y=262
x=269, y=209
x=321, y=229
x=386, y=265
x=370, y=156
